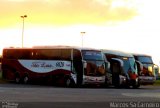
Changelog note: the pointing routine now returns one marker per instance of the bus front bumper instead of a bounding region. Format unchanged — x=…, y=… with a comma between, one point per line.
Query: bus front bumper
x=146, y=80
x=93, y=80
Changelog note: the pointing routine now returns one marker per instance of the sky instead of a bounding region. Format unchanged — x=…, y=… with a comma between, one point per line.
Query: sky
x=126, y=25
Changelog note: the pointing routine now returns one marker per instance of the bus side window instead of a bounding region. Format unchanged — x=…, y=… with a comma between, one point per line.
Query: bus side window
x=46, y=54
x=66, y=54
x=41, y=54
x=8, y=54
x=26, y=55
x=56, y=54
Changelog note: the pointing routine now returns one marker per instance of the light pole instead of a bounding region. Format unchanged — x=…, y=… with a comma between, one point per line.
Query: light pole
x=82, y=34
x=24, y=16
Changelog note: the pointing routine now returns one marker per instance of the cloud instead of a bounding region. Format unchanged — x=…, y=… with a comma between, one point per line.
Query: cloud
x=63, y=12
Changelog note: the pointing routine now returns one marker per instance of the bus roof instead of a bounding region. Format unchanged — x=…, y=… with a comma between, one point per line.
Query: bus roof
x=118, y=53
x=54, y=47
x=145, y=55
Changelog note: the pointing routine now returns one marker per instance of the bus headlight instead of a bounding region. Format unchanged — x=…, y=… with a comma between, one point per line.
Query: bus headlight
x=123, y=78
x=136, y=79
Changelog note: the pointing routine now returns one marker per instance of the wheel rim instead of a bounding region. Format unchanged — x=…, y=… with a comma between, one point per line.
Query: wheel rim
x=17, y=79
x=68, y=82
x=25, y=79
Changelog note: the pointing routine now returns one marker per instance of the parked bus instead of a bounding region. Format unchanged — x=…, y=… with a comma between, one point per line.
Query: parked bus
x=0, y=64
x=0, y=58
x=59, y=64
x=123, y=69
x=148, y=75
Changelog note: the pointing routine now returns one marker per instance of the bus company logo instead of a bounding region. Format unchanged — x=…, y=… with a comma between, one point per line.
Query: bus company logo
x=68, y=65
x=41, y=64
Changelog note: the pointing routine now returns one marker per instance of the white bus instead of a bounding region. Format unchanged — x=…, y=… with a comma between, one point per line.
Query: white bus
x=62, y=65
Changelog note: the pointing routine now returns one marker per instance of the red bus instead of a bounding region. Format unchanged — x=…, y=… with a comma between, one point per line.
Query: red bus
x=57, y=64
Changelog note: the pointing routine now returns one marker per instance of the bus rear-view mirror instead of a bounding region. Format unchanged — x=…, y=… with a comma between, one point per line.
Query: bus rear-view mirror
x=107, y=65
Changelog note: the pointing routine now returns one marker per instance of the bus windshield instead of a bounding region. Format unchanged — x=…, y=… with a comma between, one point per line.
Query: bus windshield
x=129, y=64
x=92, y=55
x=145, y=59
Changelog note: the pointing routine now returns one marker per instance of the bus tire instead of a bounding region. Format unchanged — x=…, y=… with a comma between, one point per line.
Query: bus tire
x=136, y=85
x=17, y=78
x=69, y=82
x=25, y=79
x=117, y=85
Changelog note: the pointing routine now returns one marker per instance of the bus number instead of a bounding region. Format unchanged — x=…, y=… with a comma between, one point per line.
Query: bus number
x=60, y=64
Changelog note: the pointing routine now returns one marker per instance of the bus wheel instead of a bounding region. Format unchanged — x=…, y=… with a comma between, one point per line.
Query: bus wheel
x=69, y=82
x=25, y=80
x=17, y=79
x=135, y=85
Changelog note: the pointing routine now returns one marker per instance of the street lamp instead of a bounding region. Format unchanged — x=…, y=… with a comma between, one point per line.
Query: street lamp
x=24, y=16
x=82, y=34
